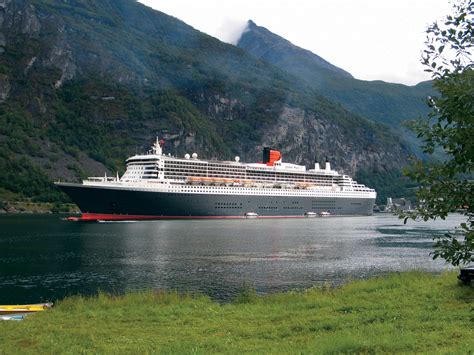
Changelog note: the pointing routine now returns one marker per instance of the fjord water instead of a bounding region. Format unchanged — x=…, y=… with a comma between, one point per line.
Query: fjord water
x=43, y=258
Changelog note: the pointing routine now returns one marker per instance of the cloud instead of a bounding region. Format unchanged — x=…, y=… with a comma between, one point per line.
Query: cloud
x=231, y=30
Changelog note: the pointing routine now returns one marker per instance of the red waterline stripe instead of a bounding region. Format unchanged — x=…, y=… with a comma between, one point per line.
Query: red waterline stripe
x=86, y=217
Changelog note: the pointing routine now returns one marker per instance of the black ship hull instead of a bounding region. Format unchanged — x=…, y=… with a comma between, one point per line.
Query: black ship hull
x=111, y=203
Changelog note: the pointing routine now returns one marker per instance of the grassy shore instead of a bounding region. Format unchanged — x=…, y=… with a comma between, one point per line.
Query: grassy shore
x=410, y=312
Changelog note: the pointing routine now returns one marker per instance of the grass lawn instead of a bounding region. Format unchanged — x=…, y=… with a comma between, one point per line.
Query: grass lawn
x=409, y=312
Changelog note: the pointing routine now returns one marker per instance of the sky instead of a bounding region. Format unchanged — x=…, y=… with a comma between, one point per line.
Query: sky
x=371, y=39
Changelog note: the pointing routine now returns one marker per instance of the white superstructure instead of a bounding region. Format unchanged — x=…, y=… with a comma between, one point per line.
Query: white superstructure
x=157, y=171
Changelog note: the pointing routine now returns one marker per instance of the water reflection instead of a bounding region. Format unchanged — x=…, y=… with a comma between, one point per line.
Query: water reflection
x=43, y=258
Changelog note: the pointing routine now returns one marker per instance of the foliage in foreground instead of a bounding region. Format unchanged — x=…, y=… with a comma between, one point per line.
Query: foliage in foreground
x=410, y=312
x=449, y=185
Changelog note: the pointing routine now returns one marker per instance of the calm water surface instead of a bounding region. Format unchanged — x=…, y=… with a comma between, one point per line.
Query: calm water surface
x=44, y=258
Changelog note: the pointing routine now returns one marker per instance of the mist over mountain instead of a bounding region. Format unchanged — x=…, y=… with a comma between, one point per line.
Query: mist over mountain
x=380, y=101
x=275, y=49
x=84, y=84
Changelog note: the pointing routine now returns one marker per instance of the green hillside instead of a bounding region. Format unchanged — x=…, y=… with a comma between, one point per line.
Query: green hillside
x=85, y=84
x=380, y=101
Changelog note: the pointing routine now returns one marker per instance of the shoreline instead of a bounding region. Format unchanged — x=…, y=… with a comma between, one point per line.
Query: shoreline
x=29, y=207
x=409, y=312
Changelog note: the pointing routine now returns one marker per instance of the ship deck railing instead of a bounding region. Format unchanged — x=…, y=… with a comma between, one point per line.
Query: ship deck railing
x=100, y=179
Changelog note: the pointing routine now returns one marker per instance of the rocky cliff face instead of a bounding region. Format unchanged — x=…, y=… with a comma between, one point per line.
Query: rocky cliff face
x=305, y=137
x=84, y=83
x=20, y=23
x=19, y=17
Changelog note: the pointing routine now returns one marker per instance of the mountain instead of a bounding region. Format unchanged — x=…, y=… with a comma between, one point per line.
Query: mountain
x=84, y=84
x=380, y=101
x=275, y=49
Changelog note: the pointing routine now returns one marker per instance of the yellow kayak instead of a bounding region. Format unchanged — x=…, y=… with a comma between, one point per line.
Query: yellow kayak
x=24, y=308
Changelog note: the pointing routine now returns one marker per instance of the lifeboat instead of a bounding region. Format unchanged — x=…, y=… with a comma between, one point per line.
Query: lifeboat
x=217, y=181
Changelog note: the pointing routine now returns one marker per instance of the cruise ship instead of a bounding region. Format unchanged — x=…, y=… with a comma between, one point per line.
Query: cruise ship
x=160, y=186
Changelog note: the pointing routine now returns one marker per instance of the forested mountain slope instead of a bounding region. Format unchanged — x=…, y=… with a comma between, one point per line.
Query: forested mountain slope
x=84, y=84
x=378, y=100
